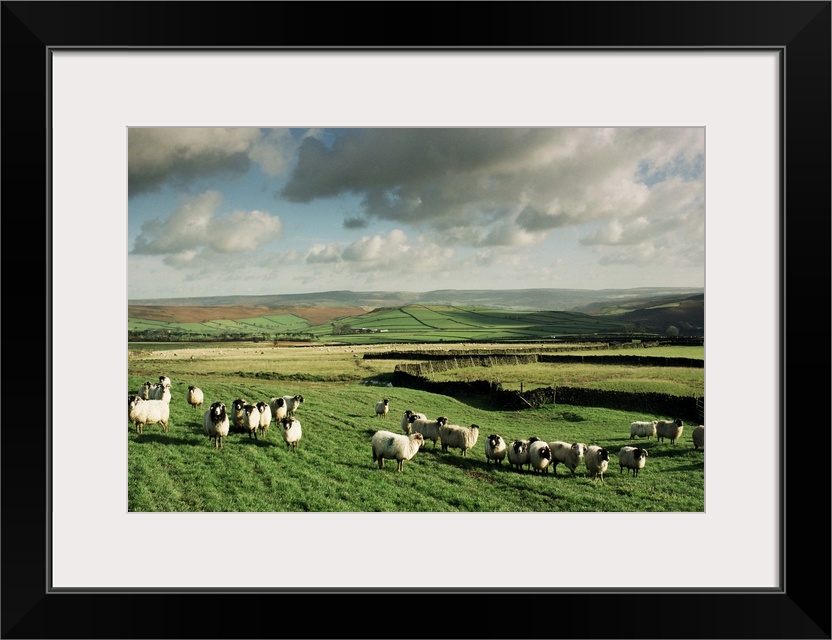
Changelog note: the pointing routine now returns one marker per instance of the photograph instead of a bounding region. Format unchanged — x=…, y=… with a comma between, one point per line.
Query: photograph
x=496, y=312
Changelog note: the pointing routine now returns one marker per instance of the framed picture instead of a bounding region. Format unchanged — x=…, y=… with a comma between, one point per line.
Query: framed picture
x=762, y=68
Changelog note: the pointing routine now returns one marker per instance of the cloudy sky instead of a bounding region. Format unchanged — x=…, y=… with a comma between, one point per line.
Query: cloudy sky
x=270, y=211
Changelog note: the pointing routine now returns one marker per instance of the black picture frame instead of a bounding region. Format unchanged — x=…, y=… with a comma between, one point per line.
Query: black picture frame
x=800, y=31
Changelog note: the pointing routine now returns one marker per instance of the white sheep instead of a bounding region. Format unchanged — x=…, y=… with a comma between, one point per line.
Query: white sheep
x=458, y=437
x=670, y=429
x=215, y=423
x=632, y=458
x=569, y=455
x=252, y=416
x=518, y=452
x=643, y=429
x=278, y=408
x=382, y=408
x=239, y=422
x=160, y=392
x=292, y=404
x=540, y=456
x=495, y=449
x=430, y=429
x=144, y=390
x=698, y=435
x=406, y=420
x=143, y=412
x=195, y=396
x=265, y=418
x=291, y=432
x=597, y=459
x=394, y=446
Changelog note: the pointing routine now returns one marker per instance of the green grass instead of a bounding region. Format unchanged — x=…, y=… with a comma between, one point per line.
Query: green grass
x=333, y=470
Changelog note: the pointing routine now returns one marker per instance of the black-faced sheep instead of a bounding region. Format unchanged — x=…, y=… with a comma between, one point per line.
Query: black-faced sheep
x=495, y=449
x=406, y=420
x=291, y=432
x=458, y=437
x=195, y=396
x=670, y=429
x=252, y=414
x=239, y=421
x=215, y=423
x=143, y=412
x=265, y=418
x=292, y=404
x=144, y=390
x=164, y=381
x=382, y=408
x=569, y=455
x=393, y=446
x=597, y=459
x=698, y=436
x=430, y=429
x=540, y=456
x=278, y=408
x=632, y=458
x=160, y=392
x=643, y=429
x=518, y=452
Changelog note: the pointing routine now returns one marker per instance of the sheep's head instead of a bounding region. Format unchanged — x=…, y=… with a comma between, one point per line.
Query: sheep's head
x=533, y=439
x=442, y=420
x=418, y=437
x=519, y=446
x=475, y=426
x=493, y=440
x=603, y=454
x=579, y=448
x=679, y=422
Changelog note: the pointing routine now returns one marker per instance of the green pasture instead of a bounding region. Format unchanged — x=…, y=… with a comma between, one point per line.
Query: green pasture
x=333, y=470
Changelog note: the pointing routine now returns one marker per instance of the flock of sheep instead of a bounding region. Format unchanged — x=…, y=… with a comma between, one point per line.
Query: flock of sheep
x=532, y=453
x=152, y=406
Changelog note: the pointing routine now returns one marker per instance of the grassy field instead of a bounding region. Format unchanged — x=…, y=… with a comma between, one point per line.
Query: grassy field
x=333, y=470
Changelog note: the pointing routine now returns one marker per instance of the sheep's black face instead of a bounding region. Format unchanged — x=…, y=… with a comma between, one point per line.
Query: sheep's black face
x=604, y=454
x=518, y=446
x=678, y=422
x=534, y=439
x=545, y=453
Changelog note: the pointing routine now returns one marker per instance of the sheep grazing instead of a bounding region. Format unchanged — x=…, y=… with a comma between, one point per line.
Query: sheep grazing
x=518, y=452
x=278, y=408
x=292, y=404
x=291, y=431
x=570, y=455
x=457, y=437
x=265, y=417
x=540, y=456
x=195, y=396
x=215, y=423
x=394, y=446
x=632, y=458
x=495, y=449
x=164, y=381
x=382, y=408
x=597, y=459
x=643, y=429
x=698, y=435
x=430, y=429
x=160, y=392
x=670, y=429
x=143, y=412
x=144, y=390
x=239, y=423
x=406, y=420
x=252, y=415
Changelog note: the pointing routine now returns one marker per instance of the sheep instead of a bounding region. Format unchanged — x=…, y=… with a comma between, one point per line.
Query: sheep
x=142, y=412
x=462, y=438
x=278, y=408
x=670, y=429
x=215, y=423
x=495, y=449
x=382, y=408
x=698, y=435
x=643, y=429
x=291, y=432
x=160, y=392
x=164, y=381
x=292, y=403
x=252, y=419
x=195, y=396
x=518, y=452
x=238, y=415
x=430, y=429
x=632, y=458
x=265, y=418
x=406, y=420
x=540, y=456
x=597, y=459
x=570, y=455
x=394, y=446
x=144, y=390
